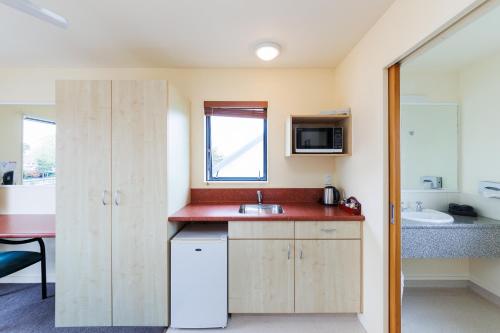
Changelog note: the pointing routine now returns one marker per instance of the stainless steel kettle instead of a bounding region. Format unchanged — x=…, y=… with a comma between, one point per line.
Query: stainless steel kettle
x=331, y=196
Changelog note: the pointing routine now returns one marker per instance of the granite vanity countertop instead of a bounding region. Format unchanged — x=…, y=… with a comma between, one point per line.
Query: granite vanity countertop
x=465, y=237
x=461, y=222
x=292, y=212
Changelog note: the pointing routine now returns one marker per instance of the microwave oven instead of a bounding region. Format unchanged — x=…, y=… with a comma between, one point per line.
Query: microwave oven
x=319, y=140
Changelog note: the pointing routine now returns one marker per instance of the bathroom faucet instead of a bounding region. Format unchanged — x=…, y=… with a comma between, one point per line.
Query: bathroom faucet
x=259, y=197
x=419, y=206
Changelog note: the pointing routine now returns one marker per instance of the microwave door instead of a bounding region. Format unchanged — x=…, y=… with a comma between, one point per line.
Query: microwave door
x=314, y=140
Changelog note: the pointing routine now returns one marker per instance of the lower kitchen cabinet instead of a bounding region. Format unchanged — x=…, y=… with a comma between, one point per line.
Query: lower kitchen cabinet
x=261, y=276
x=327, y=276
x=321, y=275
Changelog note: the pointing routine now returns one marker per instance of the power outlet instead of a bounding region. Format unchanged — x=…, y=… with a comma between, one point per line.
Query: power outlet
x=328, y=179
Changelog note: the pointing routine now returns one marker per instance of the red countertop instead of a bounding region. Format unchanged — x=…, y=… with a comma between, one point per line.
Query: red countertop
x=203, y=212
x=27, y=226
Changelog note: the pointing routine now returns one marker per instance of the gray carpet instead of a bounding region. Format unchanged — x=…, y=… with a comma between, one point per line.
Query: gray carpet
x=22, y=310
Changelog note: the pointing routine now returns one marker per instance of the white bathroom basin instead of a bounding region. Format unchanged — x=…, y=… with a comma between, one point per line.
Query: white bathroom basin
x=427, y=216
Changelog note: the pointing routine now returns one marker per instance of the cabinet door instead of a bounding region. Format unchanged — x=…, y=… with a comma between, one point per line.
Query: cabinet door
x=261, y=276
x=140, y=280
x=327, y=276
x=83, y=242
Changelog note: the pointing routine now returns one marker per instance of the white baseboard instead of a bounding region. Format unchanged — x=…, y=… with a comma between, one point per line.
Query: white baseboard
x=439, y=283
x=436, y=277
x=27, y=278
x=485, y=293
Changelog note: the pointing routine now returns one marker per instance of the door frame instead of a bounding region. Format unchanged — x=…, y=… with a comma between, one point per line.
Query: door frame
x=472, y=13
x=394, y=200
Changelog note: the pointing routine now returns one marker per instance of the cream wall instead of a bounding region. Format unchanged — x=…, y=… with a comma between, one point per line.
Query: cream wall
x=479, y=87
x=289, y=91
x=361, y=83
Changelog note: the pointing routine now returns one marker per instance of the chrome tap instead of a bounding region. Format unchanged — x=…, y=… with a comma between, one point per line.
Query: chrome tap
x=259, y=197
x=419, y=206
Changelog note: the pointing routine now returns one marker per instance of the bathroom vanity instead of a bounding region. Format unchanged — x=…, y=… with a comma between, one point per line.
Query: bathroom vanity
x=465, y=237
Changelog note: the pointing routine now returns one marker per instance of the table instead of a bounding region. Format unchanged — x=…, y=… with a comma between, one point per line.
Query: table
x=27, y=226
x=30, y=226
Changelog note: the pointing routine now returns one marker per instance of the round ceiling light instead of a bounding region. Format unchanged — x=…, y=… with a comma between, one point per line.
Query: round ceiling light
x=267, y=51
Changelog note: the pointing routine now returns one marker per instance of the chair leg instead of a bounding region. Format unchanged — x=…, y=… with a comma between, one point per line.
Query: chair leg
x=44, y=268
x=44, y=278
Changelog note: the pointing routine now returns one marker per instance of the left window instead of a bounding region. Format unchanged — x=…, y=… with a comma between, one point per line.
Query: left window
x=39, y=151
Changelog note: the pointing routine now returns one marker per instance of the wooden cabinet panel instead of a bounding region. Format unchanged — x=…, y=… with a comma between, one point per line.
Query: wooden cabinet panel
x=260, y=230
x=83, y=242
x=328, y=230
x=261, y=276
x=328, y=276
x=139, y=245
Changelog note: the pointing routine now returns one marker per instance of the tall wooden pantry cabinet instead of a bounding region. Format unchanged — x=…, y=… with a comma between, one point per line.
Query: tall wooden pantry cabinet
x=122, y=167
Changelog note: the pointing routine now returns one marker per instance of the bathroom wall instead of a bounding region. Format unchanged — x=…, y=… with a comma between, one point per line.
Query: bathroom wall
x=475, y=87
x=432, y=87
x=480, y=158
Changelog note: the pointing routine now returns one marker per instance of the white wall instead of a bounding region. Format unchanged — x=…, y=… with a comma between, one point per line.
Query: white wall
x=433, y=87
x=361, y=83
x=475, y=87
x=480, y=160
x=436, y=269
x=438, y=87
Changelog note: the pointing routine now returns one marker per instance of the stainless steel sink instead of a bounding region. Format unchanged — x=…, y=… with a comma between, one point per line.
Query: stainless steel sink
x=260, y=209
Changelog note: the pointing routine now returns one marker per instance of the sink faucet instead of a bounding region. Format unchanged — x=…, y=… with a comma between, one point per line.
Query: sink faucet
x=259, y=197
x=419, y=206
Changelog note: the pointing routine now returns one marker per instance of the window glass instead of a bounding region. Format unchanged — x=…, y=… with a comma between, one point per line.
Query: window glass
x=236, y=148
x=39, y=151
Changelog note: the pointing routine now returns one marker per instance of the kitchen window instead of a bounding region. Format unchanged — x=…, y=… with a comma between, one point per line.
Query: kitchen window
x=236, y=141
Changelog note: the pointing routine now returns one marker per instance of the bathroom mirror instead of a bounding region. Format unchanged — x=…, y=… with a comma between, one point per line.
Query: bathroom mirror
x=27, y=145
x=429, y=146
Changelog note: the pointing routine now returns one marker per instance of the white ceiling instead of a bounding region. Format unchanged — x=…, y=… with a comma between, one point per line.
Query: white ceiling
x=477, y=40
x=186, y=33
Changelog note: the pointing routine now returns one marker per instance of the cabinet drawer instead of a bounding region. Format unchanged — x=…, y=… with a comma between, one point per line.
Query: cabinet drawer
x=327, y=230
x=260, y=230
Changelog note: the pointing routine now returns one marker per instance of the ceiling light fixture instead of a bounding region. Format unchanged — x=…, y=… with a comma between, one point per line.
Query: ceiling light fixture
x=267, y=51
x=41, y=13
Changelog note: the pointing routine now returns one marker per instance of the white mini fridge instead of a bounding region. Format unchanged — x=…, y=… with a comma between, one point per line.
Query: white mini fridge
x=199, y=277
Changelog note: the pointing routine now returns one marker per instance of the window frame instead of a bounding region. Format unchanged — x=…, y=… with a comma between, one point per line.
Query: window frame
x=208, y=157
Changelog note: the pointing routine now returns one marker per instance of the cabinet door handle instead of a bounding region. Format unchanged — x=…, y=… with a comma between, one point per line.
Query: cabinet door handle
x=329, y=230
x=301, y=255
x=117, y=198
x=288, y=251
x=103, y=198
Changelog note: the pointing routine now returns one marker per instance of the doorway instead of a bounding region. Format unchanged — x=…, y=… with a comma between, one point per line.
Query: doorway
x=460, y=182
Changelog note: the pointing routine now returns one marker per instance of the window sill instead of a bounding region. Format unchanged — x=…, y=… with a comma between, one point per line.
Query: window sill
x=209, y=182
